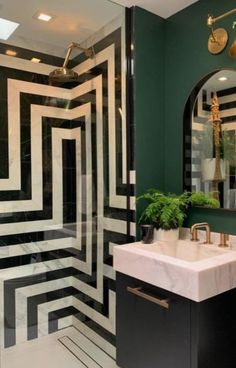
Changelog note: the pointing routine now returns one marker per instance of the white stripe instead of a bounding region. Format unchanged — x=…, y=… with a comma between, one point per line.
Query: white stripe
x=64, y=322
x=35, y=268
x=133, y=229
x=118, y=226
x=36, y=247
x=132, y=176
x=26, y=65
x=109, y=272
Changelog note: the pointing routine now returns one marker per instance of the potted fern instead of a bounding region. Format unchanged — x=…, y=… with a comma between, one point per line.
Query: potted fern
x=167, y=212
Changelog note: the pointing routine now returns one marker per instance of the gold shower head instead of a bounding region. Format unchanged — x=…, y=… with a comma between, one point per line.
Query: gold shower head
x=64, y=74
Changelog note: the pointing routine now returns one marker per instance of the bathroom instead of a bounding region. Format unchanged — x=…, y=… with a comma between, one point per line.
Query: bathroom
x=74, y=154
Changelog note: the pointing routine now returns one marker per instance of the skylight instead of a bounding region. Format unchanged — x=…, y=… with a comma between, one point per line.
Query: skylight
x=7, y=28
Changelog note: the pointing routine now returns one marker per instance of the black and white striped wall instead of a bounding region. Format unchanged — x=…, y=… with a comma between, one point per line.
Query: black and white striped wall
x=66, y=193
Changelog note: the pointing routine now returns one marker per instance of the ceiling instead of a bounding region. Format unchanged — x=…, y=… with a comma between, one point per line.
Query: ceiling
x=75, y=20
x=213, y=83
x=163, y=8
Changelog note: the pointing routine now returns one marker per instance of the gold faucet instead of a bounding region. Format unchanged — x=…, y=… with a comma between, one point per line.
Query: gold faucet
x=200, y=225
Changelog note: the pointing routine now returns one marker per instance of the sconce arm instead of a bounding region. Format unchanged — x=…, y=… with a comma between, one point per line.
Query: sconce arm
x=211, y=20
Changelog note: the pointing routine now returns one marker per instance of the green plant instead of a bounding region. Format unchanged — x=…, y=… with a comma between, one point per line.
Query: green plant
x=165, y=211
x=202, y=200
x=168, y=211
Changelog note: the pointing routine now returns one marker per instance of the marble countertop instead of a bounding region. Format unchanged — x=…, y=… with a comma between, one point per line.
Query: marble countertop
x=190, y=269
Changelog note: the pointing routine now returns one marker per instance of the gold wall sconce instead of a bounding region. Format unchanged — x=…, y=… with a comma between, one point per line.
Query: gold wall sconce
x=218, y=38
x=232, y=50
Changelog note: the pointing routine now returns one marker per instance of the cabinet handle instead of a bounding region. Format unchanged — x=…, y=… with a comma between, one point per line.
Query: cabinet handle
x=138, y=291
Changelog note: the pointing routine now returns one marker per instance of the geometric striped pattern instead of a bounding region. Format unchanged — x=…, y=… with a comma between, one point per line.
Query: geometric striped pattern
x=65, y=195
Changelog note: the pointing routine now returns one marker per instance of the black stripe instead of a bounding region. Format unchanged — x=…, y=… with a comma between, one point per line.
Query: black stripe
x=29, y=54
x=119, y=214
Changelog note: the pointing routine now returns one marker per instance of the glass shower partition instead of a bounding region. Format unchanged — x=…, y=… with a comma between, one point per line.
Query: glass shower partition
x=65, y=201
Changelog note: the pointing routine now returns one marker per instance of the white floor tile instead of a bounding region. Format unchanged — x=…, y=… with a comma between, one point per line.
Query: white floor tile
x=48, y=352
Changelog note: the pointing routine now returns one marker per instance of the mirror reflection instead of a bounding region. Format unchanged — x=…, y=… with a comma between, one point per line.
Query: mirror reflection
x=212, y=137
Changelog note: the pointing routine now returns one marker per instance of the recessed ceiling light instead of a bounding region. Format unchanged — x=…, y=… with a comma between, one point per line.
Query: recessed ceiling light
x=35, y=60
x=10, y=53
x=44, y=17
x=222, y=79
x=7, y=27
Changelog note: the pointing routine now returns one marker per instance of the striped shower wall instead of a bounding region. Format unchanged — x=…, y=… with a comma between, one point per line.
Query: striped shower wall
x=65, y=197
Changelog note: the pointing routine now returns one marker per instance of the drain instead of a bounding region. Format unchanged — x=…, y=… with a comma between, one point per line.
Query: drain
x=80, y=354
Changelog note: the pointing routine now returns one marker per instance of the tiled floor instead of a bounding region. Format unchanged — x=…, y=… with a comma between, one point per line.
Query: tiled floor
x=65, y=349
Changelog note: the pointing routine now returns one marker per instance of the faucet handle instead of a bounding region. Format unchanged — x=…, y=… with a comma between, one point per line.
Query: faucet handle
x=223, y=240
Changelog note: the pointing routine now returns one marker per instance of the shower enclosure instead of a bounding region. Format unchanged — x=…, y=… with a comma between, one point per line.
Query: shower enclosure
x=66, y=185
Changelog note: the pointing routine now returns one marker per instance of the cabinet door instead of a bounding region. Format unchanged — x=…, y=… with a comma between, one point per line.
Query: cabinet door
x=214, y=332
x=149, y=335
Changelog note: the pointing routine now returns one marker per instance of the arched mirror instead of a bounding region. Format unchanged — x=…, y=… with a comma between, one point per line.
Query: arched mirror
x=210, y=138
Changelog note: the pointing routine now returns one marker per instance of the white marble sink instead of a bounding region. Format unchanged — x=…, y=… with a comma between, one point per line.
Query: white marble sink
x=182, y=249
x=193, y=270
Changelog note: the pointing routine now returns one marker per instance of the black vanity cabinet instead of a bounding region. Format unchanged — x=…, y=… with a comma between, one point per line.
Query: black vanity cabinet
x=185, y=335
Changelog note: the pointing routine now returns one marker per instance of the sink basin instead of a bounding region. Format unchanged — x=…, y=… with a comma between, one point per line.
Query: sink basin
x=193, y=270
x=182, y=249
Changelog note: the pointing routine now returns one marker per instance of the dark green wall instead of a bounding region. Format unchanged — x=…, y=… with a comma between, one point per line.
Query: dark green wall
x=187, y=61
x=148, y=33
x=178, y=48
x=148, y=99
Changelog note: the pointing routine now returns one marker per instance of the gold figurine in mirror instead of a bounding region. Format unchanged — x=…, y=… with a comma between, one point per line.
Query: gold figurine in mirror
x=217, y=133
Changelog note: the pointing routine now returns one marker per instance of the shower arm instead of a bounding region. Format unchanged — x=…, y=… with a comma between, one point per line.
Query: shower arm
x=211, y=20
x=88, y=52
